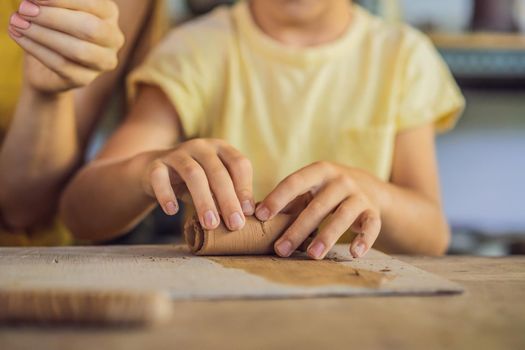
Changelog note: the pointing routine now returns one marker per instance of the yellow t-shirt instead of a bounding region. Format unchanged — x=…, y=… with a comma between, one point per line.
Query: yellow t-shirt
x=286, y=107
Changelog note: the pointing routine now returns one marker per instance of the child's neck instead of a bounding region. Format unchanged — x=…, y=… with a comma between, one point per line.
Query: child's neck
x=326, y=26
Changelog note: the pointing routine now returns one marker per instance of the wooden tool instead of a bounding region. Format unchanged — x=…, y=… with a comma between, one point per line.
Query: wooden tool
x=94, y=307
x=256, y=237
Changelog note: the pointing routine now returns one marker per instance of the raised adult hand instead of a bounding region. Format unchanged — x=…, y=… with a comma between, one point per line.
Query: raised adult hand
x=68, y=42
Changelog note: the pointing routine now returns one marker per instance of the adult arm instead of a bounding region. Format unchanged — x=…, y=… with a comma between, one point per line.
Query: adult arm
x=52, y=123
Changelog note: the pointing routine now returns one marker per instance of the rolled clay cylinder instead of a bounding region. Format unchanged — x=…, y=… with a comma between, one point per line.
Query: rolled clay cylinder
x=52, y=306
x=255, y=238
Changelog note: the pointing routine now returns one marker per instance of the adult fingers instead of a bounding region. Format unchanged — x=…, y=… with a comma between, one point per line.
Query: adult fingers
x=342, y=219
x=81, y=25
x=241, y=172
x=309, y=219
x=369, y=226
x=82, y=52
x=75, y=74
x=161, y=185
x=99, y=8
x=196, y=181
x=223, y=189
x=309, y=178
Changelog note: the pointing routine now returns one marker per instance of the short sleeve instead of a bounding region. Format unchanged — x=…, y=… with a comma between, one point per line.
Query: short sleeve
x=184, y=66
x=429, y=93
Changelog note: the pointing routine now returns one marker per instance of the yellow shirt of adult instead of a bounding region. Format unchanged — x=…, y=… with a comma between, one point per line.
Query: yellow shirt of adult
x=287, y=107
x=11, y=62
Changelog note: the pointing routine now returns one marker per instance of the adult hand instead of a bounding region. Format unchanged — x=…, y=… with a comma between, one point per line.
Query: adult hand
x=213, y=172
x=68, y=42
x=343, y=194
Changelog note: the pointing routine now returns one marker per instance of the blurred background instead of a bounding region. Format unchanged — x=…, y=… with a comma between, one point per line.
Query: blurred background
x=482, y=161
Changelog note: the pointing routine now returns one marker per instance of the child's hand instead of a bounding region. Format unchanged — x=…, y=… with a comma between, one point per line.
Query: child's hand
x=213, y=172
x=68, y=42
x=347, y=194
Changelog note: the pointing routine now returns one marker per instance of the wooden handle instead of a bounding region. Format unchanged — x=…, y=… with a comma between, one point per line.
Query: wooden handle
x=50, y=306
x=255, y=238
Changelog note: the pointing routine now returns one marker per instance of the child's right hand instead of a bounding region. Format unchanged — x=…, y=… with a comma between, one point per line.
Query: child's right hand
x=213, y=172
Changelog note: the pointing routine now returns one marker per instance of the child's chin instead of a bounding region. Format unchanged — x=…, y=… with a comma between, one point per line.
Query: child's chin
x=300, y=11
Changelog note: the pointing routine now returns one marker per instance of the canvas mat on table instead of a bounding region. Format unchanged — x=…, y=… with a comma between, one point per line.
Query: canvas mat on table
x=174, y=270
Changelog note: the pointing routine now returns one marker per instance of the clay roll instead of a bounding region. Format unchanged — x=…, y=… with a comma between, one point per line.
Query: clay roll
x=255, y=238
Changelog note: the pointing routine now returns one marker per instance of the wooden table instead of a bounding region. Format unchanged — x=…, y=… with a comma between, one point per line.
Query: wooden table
x=490, y=315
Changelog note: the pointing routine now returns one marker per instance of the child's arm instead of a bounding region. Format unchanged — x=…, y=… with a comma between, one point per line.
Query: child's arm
x=407, y=211
x=140, y=166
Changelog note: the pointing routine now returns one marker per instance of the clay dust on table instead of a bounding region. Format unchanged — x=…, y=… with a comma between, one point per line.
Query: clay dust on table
x=304, y=272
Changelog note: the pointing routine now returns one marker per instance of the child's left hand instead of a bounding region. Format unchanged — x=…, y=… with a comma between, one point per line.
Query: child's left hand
x=350, y=195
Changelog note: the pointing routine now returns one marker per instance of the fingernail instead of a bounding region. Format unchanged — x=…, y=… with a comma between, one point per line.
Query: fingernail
x=13, y=32
x=236, y=221
x=247, y=207
x=28, y=8
x=171, y=208
x=359, y=250
x=262, y=213
x=284, y=248
x=210, y=219
x=19, y=22
x=316, y=250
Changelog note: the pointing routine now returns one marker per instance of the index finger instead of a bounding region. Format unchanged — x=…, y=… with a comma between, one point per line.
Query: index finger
x=307, y=179
x=79, y=24
x=99, y=8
